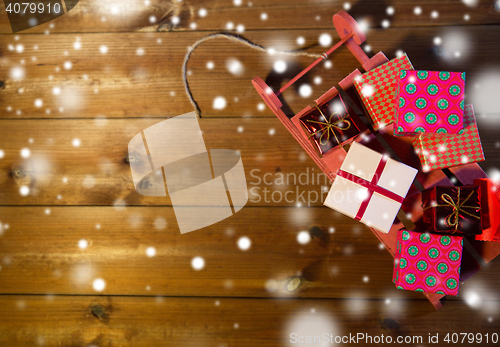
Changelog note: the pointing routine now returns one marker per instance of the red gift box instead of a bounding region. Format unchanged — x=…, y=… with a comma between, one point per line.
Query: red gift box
x=377, y=90
x=490, y=213
x=328, y=125
x=441, y=152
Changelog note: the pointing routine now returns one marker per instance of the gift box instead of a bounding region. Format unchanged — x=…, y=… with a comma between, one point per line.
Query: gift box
x=328, y=125
x=377, y=90
x=439, y=152
x=452, y=209
x=370, y=187
x=427, y=262
x=429, y=101
x=490, y=209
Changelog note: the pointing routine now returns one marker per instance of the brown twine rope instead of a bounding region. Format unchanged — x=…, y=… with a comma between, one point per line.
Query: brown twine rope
x=234, y=38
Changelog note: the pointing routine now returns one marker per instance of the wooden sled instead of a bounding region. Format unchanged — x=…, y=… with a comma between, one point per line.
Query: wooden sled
x=352, y=37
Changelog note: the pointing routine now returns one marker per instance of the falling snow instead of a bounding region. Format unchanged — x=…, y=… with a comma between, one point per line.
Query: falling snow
x=160, y=223
x=305, y=90
x=367, y=90
x=244, y=243
x=17, y=73
x=83, y=244
x=24, y=190
x=280, y=66
x=219, y=103
x=150, y=252
x=325, y=39
x=198, y=263
x=470, y=3
x=25, y=152
x=303, y=237
x=235, y=67
x=99, y=285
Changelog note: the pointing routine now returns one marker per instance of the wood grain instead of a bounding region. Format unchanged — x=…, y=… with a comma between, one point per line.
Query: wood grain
x=134, y=321
x=41, y=255
x=121, y=83
x=98, y=16
x=278, y=172
x=86, y=192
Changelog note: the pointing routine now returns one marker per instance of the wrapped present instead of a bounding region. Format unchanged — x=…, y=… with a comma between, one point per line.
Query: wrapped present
x=490, y=209
x=377, y=90
x=429, y=101
x=439, y=152
x=452, y=209
x=328, y=125
x=370, y=187
x=427, y=262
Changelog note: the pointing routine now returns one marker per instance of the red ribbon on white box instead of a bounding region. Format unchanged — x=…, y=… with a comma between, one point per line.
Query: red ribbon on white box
x=371, y=186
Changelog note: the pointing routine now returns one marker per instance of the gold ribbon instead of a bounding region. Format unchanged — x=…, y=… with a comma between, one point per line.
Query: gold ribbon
x=330, y=126
x=452, y=218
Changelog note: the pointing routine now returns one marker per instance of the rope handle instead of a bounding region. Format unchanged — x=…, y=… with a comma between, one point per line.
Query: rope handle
x=234, y=38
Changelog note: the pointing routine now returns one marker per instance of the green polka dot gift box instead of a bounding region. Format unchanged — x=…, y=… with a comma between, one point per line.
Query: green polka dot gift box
x=377, y=90
x=427, y=262
x=441, y=152
x=429, y=102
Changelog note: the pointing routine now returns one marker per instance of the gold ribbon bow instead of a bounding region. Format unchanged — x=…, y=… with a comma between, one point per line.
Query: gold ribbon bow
x=330, y=126
x=458, y=207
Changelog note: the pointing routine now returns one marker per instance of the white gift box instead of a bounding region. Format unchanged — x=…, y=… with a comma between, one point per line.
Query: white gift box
x=370, y=187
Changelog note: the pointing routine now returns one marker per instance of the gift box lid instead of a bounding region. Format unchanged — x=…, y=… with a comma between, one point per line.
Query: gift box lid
x=377, y=90
x=429, y=101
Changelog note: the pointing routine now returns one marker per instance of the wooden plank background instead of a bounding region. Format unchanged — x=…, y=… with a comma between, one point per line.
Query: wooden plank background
x=240, y=298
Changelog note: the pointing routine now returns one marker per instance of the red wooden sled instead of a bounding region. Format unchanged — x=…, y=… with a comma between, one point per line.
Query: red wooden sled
x=352, y=37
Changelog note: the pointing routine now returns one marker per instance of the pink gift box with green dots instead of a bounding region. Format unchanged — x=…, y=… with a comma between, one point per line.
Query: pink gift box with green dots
x=429, y=102
x=427, y=262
